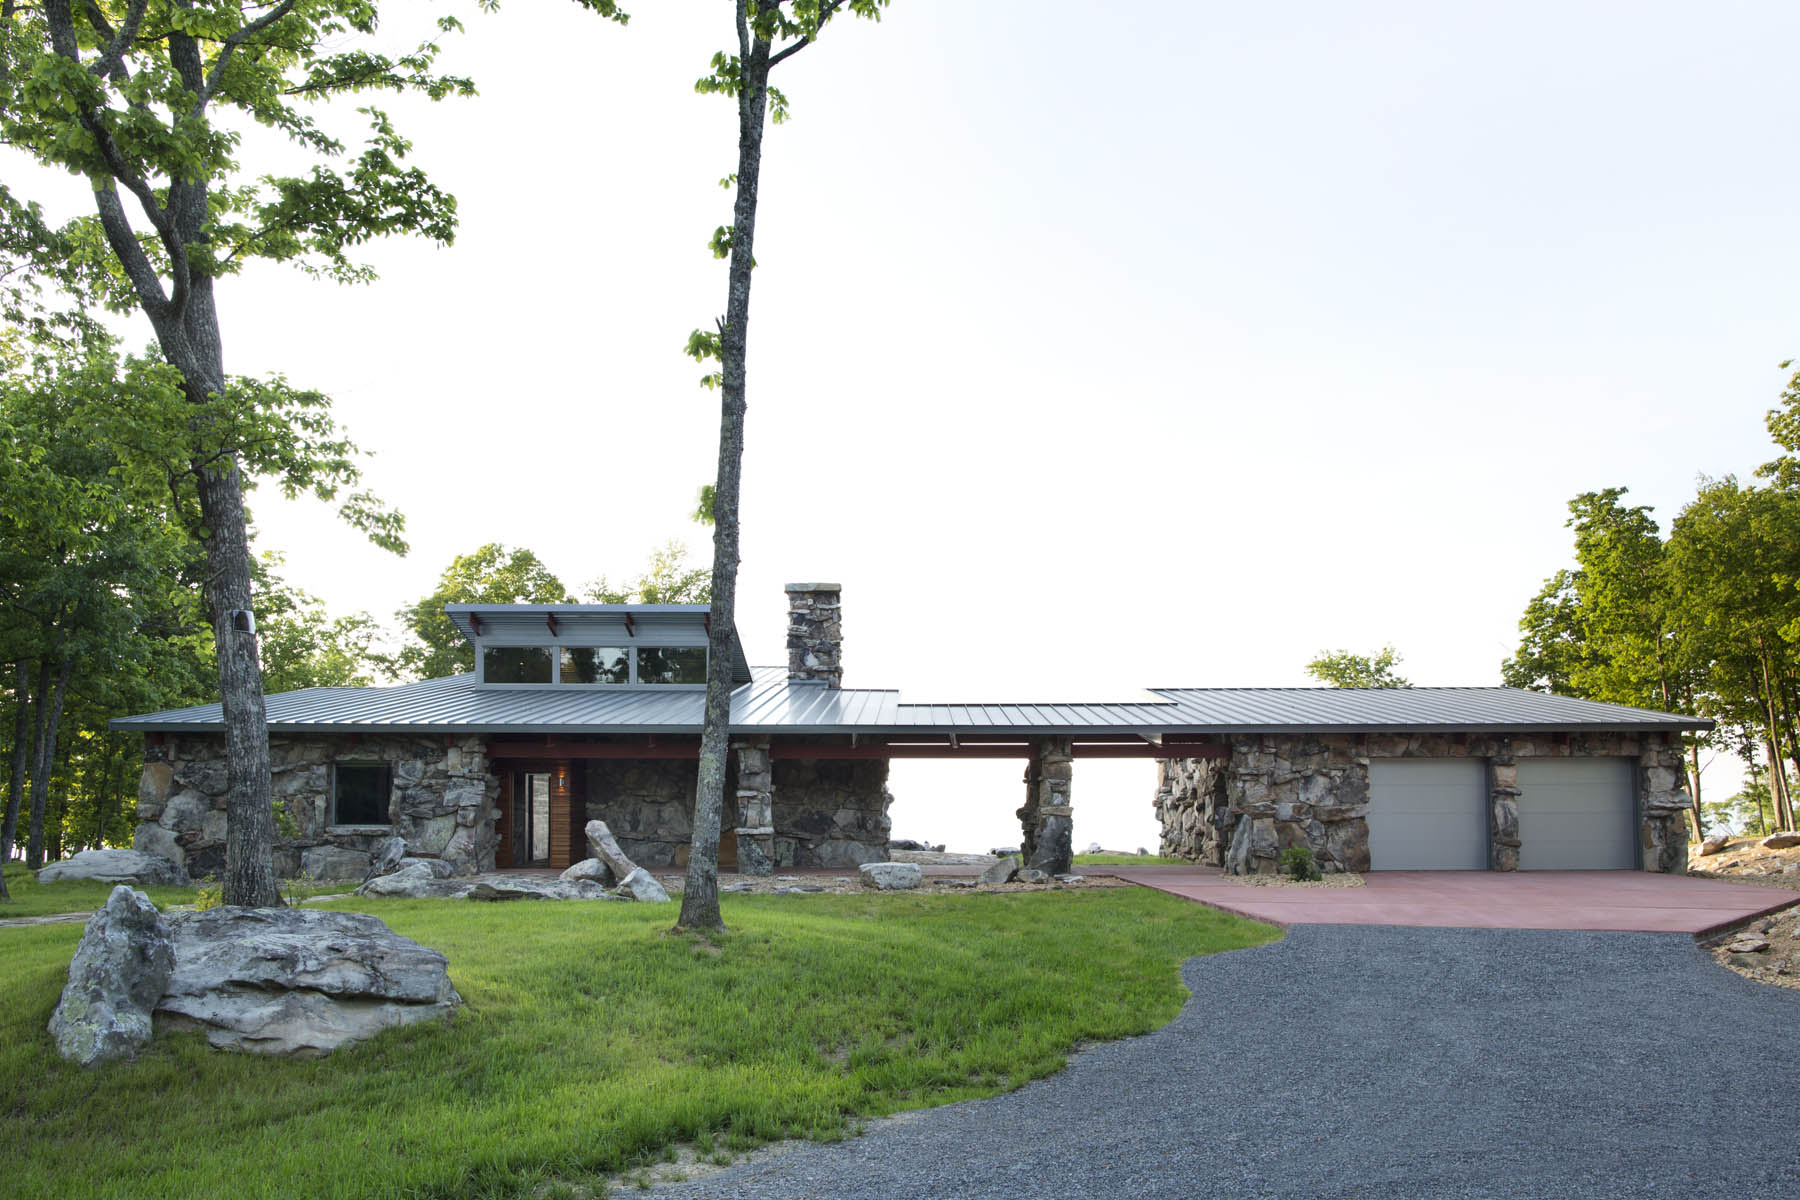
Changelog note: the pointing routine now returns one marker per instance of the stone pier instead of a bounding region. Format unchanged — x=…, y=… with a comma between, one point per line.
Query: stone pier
x=1046, y=817
x=755, y=808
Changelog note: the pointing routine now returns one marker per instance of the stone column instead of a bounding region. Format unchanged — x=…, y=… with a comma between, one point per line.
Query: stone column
x=755, y=808
x=1663, y=803
x=1046, y=816
x=1503, y=808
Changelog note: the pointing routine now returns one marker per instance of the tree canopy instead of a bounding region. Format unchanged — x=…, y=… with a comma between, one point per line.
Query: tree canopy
x=490, y=574
x=1703, y=620
x=1341, y=668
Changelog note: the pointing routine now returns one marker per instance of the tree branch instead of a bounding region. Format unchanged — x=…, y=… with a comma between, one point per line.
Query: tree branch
x=217, y=74
x=123, y=239
x=825, y=13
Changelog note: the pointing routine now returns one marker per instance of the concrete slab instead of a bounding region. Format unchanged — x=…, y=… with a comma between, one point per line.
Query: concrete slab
x=1596, y=900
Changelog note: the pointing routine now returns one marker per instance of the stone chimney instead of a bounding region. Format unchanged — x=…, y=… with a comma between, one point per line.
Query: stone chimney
x=815, y=633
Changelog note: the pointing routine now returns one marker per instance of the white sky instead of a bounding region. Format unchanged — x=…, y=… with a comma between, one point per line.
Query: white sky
x=1089, y=351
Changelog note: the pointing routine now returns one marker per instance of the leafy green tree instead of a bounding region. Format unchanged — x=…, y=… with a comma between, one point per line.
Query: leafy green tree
x=491, y=574
x=1340, y=668
x=667, y=580
x=303, y=646
x=145, y=100
x=1734, y=555
x=768, y=34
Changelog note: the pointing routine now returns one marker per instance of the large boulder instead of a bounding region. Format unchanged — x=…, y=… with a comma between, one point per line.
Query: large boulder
x=298, y=981
x=606, y=848
x=118, y=866
x=411, y=882
x=1002, y=871
x=594, y=869
x=385, y=857
x=1718, y=843
x=334, y=863
x=524, y=887
x=117, y=975
x=641, y=885
x=1780, y=841
x=890, y=876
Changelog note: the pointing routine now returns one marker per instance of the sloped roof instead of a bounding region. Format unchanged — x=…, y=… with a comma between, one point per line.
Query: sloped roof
x=770, y=703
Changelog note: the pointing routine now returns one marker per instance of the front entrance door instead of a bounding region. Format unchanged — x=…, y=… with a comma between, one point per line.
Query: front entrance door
x=531, y=819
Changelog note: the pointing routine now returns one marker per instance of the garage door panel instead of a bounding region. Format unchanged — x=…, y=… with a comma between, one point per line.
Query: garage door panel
x=1428, y=815
x=1578, y=814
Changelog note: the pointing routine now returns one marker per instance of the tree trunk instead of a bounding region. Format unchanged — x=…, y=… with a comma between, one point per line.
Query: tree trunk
x=192, y=344
x=15, y=791
x=700, y=898
x=1694, y=792
x=1778, y=782
x=49, y=719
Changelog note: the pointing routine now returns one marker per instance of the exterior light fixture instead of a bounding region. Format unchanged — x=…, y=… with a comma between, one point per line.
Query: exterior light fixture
x=241, y=620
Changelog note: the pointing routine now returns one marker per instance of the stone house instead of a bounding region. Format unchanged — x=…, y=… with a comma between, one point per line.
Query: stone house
x=576, y=712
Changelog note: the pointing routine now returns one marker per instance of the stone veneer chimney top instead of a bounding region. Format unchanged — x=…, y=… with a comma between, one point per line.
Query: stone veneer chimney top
x=815, y=633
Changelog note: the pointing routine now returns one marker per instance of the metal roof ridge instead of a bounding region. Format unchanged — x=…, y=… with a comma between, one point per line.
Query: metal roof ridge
x=592, y=608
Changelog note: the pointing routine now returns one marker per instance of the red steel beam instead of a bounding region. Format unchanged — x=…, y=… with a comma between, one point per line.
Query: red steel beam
x=651, y=749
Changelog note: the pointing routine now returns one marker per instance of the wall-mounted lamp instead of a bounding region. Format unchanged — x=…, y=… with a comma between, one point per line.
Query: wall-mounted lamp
x=241, y=620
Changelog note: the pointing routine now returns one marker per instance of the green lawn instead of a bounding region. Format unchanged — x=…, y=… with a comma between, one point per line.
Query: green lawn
x=592, y=1040
x=1128, y=860
x=33, y=899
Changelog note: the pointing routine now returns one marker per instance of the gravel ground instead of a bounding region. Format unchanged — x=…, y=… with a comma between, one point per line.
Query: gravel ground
x=1379, y=1062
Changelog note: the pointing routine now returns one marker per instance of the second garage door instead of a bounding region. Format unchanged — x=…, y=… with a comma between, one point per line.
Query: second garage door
x=1428, y=814
x=1577, y=814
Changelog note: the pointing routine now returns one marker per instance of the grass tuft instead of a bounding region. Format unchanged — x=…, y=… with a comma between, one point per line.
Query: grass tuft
x=591, y=1044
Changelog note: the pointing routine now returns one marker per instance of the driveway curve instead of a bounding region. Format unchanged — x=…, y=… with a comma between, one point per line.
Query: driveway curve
x=1376, y=1061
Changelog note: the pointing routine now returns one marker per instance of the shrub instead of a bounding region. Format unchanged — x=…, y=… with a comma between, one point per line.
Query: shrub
x=1297, y=862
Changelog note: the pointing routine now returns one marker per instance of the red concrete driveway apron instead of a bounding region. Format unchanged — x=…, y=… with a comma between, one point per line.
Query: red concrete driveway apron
x=1621, y=900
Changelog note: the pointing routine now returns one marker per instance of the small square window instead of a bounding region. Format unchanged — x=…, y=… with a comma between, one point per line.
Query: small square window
x=359, y=794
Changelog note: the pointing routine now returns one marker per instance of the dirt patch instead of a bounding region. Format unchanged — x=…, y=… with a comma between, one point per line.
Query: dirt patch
x=1766, y=950
x=1744, y=860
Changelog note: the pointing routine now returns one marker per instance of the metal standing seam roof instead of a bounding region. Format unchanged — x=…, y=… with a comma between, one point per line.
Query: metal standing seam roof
x=770, y=703
x=1435, y=709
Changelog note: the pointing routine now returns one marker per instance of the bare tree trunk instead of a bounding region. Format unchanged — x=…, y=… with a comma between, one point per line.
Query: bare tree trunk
x=1694, y=791
x=700, y=897
x=15, y=791
x=49, y=719
x=193, y=346
x=1778, y=782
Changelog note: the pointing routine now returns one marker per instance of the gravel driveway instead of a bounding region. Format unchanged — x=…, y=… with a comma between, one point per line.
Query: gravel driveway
x=1376, y=1061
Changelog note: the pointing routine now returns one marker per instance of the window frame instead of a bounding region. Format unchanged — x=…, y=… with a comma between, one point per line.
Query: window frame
x=556, y=648
x=387, y=775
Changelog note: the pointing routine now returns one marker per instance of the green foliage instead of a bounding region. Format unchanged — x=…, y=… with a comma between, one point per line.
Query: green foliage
x=1297, y=863
x=1750, y=812
x=667, y=580
x=1340, y=668
x=1704, y=621
x=491, y=574
x=591, y=1042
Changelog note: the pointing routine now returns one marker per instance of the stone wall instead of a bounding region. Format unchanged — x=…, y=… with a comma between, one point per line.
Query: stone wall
x=830, y=813
x=1281, y=790
x=442, y=802
x=647, y=803
x=444, y=798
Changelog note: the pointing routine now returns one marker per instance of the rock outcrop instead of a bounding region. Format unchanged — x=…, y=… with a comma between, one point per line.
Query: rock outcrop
x=118, y=866
x=298, y=981
x=117, y=976
x=890, y=876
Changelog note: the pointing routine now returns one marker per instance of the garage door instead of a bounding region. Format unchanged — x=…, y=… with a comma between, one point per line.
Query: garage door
x=1577, y=814
x=1428, y=814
